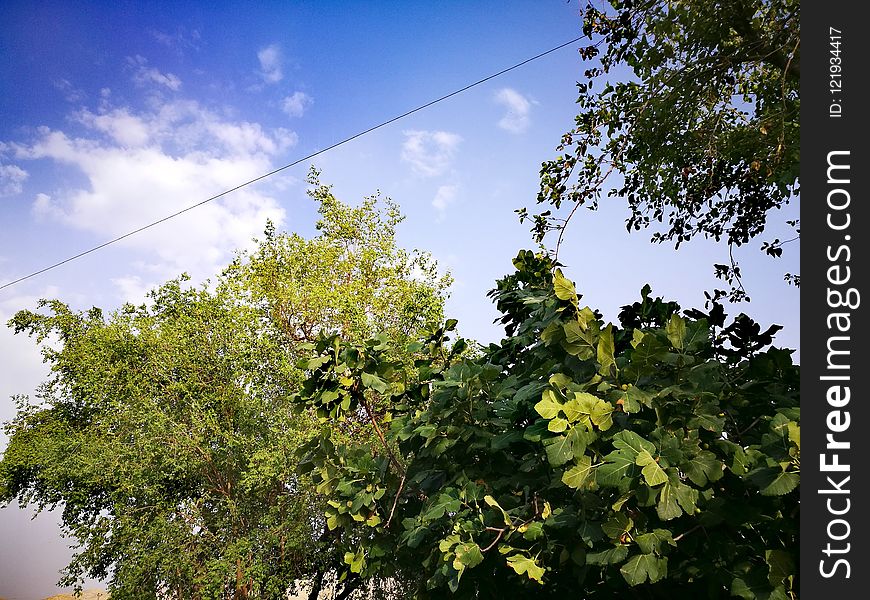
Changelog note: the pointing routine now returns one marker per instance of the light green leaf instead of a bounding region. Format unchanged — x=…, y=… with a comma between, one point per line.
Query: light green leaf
x=357, y=560
x=493, y=503
x=577, y=476
x=523, y=564
x=602, y=415
x=533, y=531
x=676, y=330
x=606, y=351
x=557, y=425
x=633, y=443
x=651, y=471
x=374, y=382
x=794, y=433
x=564, y=289
x=549, y=406
x=468, y=555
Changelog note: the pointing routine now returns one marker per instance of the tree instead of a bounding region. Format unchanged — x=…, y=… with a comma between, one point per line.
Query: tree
x=165, y=431
x=701, y=129
x=657, y=458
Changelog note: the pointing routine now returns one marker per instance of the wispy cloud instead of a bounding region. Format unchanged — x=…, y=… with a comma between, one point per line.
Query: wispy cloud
x=271, y=67
x=444, y=197
x=70, y=92
x=179, y=41
x=429, y=152
x=296, y=104
x=12, y=179
x=143, y=75
x=516, y=119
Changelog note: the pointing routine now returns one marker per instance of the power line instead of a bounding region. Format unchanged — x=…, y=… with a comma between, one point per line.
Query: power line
x=287, y=166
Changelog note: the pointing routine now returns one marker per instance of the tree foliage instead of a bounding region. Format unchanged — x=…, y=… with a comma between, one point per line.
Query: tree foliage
x=165, y=432
x=691, y=114
x=655, y=458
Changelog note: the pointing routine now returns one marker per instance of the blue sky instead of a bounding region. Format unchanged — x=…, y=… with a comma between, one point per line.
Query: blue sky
x=115, y=114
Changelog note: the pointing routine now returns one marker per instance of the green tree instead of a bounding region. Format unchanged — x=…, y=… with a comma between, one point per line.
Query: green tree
x=657, y=458
x=165, y=431
x=691, y=116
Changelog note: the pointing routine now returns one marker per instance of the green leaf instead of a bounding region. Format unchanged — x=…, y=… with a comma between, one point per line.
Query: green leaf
x=559, y=450
x=676, y=330
x=668, y=508
x=534, y=531
x=580, y=438
x=356, y=560
x=703, y=467
x=558, y=425
x=602, y=415
x=652, y=472
x=468, y=554
x=578, y=475
x=493, y=503
x=634, y=398
x=794, y=433
x=523, y=564
x=617, y=525
x=780, y=566
x=617, y=469
x=641, y=567
x=650, y=543
x=564, y=289
x=444, y=503
x=606, y=351
x=374, y=382
x=633, y=443
x=549, y=406
x=774, y=482
x=608, y=557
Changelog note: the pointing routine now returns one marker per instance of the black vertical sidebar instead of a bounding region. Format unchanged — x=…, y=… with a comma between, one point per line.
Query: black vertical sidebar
x=835, y=370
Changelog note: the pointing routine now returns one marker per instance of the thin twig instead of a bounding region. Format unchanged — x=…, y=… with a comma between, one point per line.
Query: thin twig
x=395, y=502
x=380, y=434
x=495, y=541
x=685, y=533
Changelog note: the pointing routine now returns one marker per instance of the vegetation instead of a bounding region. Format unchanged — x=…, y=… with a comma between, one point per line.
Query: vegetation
x=165, y=431
x=692, y=116
x=308, y=420
x=656, y=458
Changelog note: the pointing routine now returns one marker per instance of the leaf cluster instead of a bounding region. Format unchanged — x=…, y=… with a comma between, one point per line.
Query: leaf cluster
x=691, y=111
x=657, y=457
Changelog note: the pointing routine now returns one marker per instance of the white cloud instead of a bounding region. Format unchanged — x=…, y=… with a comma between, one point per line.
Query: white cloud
x=516, y=119
x=12, y=179
x=445, y=196
x=271, y=64
x=133, y=289
x=144, y=75
x=143, y=166
x=297, y=104
x=43, y=207
x=429, y=152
